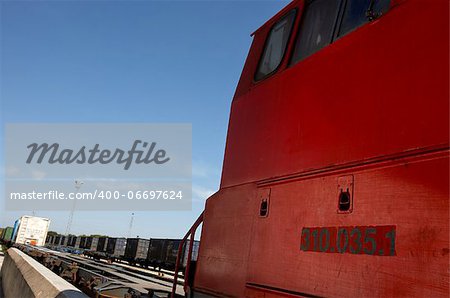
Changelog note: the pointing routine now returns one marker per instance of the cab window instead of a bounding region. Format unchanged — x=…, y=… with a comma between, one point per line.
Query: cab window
x=323, y=21
x=316, y=28
x=275, y=46
x=359, y=12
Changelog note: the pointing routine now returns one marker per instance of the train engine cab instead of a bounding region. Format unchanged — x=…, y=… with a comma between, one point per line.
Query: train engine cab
x=335, y=178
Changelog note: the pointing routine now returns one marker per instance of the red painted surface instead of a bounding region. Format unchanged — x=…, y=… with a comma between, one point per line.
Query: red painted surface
x=373, y=106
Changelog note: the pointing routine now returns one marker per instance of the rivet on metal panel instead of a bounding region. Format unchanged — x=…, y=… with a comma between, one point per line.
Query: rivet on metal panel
x=345, y=194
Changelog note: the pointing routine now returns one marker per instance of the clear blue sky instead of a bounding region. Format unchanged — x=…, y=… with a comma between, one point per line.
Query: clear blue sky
x=128, y=61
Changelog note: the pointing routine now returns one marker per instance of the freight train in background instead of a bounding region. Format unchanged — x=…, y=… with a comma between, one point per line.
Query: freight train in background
x=118, y=266
x=156, y=253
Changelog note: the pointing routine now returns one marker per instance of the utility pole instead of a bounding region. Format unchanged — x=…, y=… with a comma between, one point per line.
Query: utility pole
x=78, y=184
x=131, y=225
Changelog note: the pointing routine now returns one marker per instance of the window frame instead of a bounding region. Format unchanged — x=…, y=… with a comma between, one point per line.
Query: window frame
x=336, y=26
x=336, y=29
x=293, y=11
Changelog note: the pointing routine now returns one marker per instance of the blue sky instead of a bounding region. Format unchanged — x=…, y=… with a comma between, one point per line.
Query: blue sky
x=128, y=61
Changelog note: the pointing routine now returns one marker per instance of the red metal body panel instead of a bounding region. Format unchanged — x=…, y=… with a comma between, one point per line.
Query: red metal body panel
x=380, y=90
x=373, y=105
x=404, y=195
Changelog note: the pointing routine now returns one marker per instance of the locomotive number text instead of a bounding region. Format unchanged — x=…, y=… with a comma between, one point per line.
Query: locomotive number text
x=369, y=240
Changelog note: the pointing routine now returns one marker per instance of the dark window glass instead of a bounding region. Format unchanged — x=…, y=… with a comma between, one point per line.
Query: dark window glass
x=317, y=27
x=275, y=46
x=359, y=12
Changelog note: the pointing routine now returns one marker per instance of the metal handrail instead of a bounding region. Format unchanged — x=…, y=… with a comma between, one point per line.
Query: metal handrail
x=190, y=233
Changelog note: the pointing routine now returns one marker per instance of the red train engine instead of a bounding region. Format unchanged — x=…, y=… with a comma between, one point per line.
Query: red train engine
x=335, y=178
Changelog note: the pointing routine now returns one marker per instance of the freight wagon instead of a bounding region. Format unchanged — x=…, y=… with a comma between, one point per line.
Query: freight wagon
x=162, y=253
x=98, y=248
x=94, y=244
x=7, y=234
x=88, y=242
x=194, y=253
x=136, y=251
x=49, y=240
x=57, y=240
x=71, y=240
x=101, y=245
x=77, y=242
x=159, y=250
x=83, y=240
x=63, y=241
x=115, y=247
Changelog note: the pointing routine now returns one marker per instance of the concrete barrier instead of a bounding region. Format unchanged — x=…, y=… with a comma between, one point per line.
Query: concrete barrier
x=22, y=276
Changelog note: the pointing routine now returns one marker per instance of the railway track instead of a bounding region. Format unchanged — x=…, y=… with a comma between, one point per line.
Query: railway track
x=97, y=278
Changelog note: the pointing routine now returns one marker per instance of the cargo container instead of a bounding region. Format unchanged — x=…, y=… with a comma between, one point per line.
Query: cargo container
x=119, y=249
x=194, y=255
x=115, y=247
x=101, y=245
x=63, y=241
x=71, y=241
x=7, y=234
x=156, y=252
x=110, y=246
x=163, y=253
x=60, y=239
x=77, y=242
x=171, y=253
x=57, y=240
x=50, y=239
x=94, y=244
x=83, y=242
x=31, y=230
x=88, y=243
x=136, y=250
